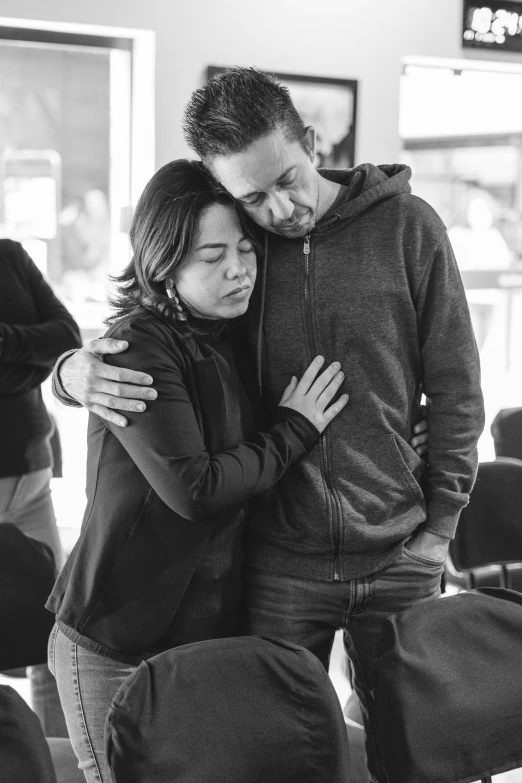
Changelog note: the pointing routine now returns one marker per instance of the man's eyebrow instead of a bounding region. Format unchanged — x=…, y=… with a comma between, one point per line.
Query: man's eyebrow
x=255, y=192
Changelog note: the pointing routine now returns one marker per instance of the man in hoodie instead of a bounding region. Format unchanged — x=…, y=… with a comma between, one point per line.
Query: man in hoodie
x=359, y=270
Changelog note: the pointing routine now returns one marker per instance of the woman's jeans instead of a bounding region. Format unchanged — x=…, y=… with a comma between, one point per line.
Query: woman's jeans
x=309, y=613
x=87, y=684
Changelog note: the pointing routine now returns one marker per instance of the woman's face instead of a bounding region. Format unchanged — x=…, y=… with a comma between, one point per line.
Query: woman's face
x=217, y=277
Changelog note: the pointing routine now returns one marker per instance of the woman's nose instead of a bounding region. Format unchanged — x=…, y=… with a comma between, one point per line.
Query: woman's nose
x=236, y=267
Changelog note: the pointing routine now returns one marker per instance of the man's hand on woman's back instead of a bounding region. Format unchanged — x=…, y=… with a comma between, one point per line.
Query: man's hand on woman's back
x=101, y=388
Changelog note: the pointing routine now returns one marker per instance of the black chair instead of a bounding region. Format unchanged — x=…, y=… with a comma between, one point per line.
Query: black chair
x=228, y=711
x=487, y=549
x=25, y=755
x=448, y=690
x=27, y=574
x=507, y=433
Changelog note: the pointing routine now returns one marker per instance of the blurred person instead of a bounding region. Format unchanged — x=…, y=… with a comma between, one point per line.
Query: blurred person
x=86, y=233
x=35, y=328
x=86, y=244
x=478, y=244
x=158, y=561
x=355, y=267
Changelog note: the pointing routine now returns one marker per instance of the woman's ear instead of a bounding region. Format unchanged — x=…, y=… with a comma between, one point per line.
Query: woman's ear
x=310, y=138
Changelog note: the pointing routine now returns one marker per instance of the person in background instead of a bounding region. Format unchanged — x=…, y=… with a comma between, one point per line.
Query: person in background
x=355, y=268
x=35, y=328
x=478, y=244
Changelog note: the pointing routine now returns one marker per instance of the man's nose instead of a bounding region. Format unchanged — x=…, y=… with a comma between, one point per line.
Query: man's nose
x=281, y=207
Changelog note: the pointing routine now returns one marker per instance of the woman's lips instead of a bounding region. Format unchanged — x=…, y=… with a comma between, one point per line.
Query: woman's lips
x=238, y=292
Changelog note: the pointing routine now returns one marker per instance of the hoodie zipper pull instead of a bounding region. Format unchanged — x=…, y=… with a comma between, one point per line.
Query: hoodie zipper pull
x=306, y=248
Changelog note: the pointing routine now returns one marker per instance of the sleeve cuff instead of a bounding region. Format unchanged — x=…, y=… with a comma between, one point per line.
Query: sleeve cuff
x=302, y=427
x=443, y=518
x=58, y=390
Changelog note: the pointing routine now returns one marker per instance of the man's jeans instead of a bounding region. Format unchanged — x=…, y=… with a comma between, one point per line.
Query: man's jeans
x=309, y=613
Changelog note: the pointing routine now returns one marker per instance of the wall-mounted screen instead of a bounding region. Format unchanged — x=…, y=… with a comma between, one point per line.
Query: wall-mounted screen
x=494, y=25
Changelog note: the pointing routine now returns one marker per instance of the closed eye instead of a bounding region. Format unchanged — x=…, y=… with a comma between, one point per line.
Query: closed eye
x=214, y=260
x=254, y=202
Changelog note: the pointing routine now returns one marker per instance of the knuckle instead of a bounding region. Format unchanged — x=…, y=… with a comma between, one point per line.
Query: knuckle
x=88, y=381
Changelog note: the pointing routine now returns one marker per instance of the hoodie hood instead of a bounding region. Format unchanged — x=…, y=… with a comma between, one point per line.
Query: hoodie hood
x=228, y=711
x=364, y=186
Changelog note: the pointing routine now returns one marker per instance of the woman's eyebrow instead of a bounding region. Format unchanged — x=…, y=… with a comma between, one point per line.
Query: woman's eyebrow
x=211, y=245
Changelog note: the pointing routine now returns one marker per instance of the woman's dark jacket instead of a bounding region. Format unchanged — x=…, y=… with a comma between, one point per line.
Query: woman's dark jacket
x=158, y=487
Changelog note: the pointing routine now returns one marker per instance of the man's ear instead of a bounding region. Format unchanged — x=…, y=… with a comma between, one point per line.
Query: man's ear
x=310, y=142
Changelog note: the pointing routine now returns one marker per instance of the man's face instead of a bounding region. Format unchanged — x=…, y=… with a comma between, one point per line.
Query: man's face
x=275, y=182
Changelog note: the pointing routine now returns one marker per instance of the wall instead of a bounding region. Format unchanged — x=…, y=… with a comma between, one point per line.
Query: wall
x=362, y=39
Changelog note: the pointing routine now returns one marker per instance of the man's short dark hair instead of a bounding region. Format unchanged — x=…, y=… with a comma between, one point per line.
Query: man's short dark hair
x=235, y=109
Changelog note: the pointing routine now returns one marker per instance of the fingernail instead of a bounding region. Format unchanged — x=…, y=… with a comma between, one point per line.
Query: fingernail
x=151, y=395
x=121, y=344
x=319, y=359
x=140, y=406
x=147, y=379
x=340, y=375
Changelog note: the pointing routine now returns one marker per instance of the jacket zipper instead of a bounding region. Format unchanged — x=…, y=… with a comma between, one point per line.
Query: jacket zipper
x=324, y=452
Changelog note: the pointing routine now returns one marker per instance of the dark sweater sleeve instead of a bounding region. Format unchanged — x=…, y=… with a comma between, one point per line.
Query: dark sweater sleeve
x=452, y=387
x=38, y=344
x=166, y=444
x=21, y=378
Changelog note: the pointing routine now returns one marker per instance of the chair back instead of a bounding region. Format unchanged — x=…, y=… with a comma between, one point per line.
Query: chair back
x=490, y=526
x=228, y=711
x=24, y=755
x=448, y=688
x=27, y=575
x=507, y=433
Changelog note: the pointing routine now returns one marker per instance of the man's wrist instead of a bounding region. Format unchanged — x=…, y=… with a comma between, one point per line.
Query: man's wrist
x=424, y=542
x=59, y=390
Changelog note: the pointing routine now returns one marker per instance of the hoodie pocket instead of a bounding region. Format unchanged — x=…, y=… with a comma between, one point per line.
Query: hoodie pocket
x=410, y=465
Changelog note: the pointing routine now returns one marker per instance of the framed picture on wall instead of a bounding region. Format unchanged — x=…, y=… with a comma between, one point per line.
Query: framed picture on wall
x=330, y=106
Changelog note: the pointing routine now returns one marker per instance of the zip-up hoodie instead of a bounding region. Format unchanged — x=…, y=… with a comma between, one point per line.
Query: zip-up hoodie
x=376, y=287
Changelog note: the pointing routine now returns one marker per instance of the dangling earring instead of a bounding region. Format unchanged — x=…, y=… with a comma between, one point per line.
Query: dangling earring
x=173, y=294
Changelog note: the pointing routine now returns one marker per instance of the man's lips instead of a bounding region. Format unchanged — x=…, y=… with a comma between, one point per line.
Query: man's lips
x=293, y=224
